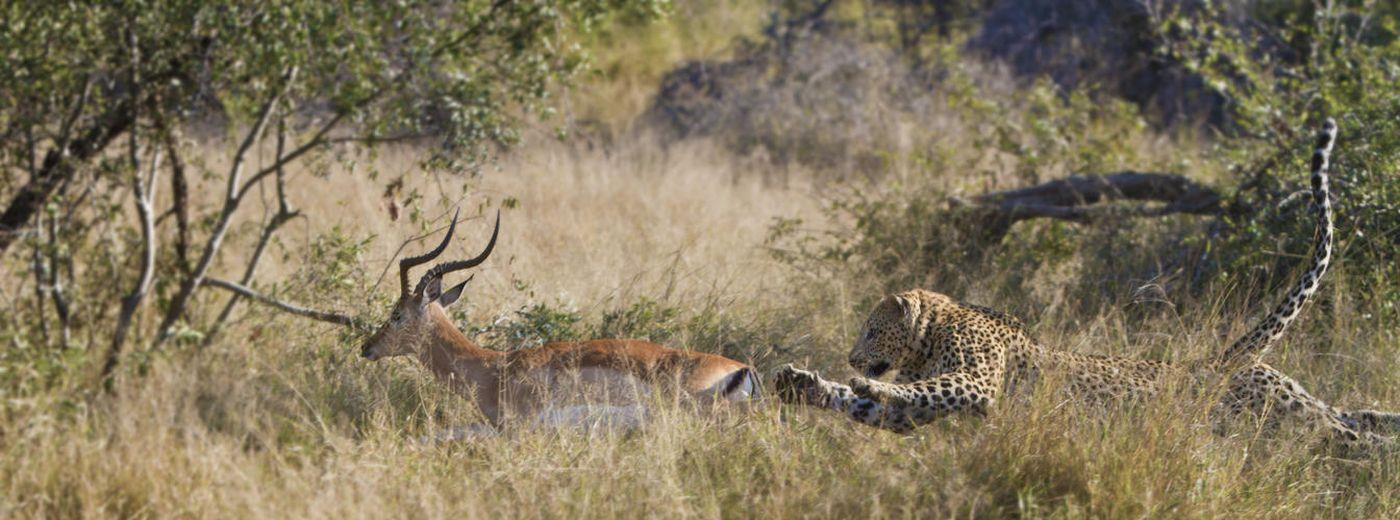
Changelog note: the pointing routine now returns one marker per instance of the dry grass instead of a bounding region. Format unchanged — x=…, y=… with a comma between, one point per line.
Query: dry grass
x=283, y=420
x=581, y=229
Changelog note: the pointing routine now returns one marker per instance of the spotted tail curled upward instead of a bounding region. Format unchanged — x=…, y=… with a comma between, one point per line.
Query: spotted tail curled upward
x=1267, y=332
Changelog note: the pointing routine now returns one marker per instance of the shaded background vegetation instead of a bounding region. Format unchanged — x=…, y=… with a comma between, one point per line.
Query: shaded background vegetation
x=736, y=177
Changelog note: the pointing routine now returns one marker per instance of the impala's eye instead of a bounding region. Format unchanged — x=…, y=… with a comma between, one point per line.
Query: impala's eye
x=396, y=316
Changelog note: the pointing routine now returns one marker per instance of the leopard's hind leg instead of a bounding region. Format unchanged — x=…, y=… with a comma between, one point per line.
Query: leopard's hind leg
x=1272, y=397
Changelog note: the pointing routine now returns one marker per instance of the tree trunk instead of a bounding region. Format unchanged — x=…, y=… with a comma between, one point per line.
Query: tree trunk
x=57, y=168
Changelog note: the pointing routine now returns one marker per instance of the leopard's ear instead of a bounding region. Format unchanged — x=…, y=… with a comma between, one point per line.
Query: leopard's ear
x=911, y=307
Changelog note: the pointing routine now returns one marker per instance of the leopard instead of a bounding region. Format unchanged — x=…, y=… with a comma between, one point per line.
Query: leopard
x=955, y=358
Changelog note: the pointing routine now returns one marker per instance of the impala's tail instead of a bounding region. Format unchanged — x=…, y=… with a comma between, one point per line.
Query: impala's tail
x=1265, y=333
x=743, y=385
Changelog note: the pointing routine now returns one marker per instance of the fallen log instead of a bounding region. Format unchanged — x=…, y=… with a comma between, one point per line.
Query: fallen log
x=1084, y=199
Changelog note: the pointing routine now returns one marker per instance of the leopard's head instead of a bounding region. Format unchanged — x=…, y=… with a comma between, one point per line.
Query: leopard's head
x=888, y=336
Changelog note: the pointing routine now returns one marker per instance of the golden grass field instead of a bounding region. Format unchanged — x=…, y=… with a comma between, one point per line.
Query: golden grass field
x=281, y=418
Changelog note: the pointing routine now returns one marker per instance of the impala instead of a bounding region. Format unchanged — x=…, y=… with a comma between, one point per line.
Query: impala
x=551, y=382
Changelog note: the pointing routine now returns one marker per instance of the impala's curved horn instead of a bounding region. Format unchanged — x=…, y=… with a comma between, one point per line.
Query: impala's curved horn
x=411, y=262
x=447, y=267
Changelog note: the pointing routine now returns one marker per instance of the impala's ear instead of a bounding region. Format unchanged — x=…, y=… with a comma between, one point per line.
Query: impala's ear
x=450, y=297
x=431, y=291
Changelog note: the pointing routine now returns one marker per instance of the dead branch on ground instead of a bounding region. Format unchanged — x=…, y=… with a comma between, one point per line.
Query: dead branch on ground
x=1082, y=199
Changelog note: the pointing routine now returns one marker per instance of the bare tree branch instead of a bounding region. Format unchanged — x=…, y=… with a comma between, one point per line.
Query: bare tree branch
x=232, y=198
x=179, y=194
x=48, y=272
x=143, y=191
x=283, y=215
x=326, y=316
x=373, y=140
x=40, y=274
x=316, y=140
x=236, y=193
x=60, y=299
x=65, y=133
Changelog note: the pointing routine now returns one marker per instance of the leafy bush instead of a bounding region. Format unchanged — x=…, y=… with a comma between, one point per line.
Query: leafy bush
x=1299, y=63
x=531, y=326
x=645, y=319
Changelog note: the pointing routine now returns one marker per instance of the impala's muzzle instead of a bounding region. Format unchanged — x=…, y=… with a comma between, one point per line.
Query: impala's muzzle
x=368, y=350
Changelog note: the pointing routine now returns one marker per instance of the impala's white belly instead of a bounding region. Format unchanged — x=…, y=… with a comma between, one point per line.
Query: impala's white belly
x=554, y=389
x=593, y=395
x=593, y=416
x=585, y=398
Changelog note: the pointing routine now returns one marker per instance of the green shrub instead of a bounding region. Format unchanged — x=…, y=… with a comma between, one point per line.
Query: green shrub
x=1298, y=64
x=531, y=326
x=645, y=319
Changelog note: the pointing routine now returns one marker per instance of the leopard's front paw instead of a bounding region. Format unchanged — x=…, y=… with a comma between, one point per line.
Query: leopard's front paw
x=796, y=386
x=861, y=387
x=866, y=388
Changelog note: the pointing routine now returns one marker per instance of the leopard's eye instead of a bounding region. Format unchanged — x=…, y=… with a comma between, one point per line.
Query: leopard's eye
x=870, y=334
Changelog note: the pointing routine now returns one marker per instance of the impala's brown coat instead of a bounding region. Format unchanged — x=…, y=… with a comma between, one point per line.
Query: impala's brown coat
x=528, y=382
x=525, y=382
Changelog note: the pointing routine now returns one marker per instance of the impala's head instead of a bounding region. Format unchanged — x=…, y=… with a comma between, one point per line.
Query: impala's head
x=409, y=321
x=888, y=336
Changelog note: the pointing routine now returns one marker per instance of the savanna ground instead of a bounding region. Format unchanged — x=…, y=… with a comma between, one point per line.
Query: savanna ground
x=697, y=243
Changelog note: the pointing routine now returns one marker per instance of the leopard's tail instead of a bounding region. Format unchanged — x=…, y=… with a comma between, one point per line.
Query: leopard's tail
x=1268, y=330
